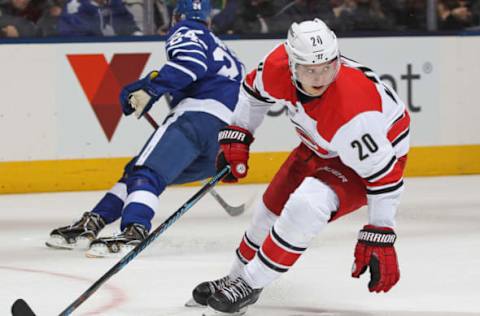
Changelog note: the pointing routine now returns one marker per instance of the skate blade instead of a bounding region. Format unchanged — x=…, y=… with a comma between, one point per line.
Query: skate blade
x=102, y=251
x=211, y=312
x=57, y=242
x=191, y=303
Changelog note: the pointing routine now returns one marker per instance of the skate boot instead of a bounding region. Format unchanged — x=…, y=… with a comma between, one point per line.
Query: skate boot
x=78, y=235
x=233, y=299
x=118, y=245
x=204, y=290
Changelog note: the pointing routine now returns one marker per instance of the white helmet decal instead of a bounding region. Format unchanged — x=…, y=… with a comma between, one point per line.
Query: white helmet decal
x=310, y=43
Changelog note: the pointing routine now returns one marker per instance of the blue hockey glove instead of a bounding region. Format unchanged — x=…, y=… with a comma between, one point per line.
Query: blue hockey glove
x=139, y=96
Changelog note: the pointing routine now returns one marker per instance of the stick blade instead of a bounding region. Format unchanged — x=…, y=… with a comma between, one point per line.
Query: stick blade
x=235, y=210
x=21, y=308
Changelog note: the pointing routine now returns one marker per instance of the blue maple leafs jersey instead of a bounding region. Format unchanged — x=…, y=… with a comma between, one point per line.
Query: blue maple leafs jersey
x=199, y=66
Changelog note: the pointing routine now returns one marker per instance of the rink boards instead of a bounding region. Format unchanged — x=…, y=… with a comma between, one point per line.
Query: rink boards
x=62, y=128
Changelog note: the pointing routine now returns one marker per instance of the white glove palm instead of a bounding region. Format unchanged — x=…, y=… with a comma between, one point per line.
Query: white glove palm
x=138, y=101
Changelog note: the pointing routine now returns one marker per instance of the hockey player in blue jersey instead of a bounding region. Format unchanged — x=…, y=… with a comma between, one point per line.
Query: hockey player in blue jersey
x=203, y=78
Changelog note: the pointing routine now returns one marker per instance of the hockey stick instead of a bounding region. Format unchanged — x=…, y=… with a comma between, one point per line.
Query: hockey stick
x=230, y=209
x=21, y=308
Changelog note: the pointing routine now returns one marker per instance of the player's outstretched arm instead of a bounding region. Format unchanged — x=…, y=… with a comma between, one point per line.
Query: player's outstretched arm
x=186, y=62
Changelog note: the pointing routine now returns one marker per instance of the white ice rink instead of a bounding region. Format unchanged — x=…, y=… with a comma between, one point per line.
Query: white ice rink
x=438, y=247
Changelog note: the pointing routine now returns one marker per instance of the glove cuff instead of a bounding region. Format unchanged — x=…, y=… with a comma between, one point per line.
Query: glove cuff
x=377, y=236
x=235, y=134
x=149, y=85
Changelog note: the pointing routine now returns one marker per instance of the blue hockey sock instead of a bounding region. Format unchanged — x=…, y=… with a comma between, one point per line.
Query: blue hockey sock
x=111, y=205
x=138, y=213
x=143, y=187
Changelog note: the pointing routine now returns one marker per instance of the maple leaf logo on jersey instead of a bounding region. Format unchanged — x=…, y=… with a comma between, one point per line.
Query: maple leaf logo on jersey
x=102, y=82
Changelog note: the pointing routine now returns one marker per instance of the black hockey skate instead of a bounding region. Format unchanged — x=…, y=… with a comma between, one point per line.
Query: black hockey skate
x=118, y=245
x=206, y=289
x=233, y=299
x=78, y=235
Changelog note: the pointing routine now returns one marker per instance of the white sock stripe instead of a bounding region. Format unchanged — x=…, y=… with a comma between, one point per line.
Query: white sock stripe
x=143, y=197
x=119, y=190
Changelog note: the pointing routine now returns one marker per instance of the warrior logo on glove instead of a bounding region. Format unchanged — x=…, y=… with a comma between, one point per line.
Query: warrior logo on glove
x=234, y=151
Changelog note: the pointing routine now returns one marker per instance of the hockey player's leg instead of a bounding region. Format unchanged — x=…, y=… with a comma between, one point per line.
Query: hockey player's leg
x=143, y=188
x=111, y=205
x=168, y=152
x=287, y=179
x=255, y=234
x=258, y=229
x=79, y=234
x=306, y=213
x=291, y=174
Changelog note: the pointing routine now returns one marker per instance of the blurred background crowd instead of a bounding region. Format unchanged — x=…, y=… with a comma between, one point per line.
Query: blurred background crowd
x=46, y=18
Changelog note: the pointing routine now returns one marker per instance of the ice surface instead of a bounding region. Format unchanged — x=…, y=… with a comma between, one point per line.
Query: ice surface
x=438, y=247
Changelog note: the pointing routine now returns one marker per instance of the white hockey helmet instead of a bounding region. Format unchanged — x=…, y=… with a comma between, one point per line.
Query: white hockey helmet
x=312, y=43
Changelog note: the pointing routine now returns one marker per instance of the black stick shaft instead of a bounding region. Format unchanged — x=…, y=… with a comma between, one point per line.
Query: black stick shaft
x=140, y=247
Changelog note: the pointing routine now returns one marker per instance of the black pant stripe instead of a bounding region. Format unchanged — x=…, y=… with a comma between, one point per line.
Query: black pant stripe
x=250, y=243
x=285, y=243
x=269, y=264
x=240, y=257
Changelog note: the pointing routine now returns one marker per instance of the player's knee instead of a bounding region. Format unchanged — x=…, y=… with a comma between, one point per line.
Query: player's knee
x=306, y=212
x=145, y=179
x=262, y=221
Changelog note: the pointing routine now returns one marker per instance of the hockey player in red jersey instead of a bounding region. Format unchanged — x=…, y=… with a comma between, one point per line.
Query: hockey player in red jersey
x=354, y=133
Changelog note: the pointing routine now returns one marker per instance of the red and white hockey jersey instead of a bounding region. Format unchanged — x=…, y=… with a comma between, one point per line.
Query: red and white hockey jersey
x=358, y=119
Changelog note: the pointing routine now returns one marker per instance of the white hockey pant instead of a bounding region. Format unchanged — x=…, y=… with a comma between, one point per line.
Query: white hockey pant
x=305, y=214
